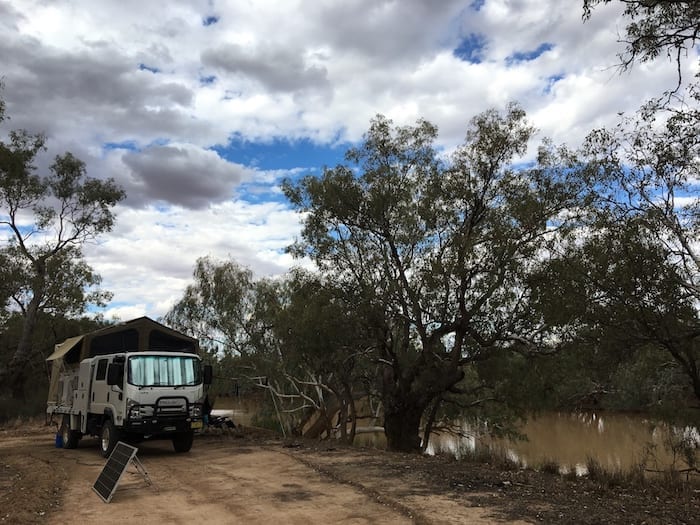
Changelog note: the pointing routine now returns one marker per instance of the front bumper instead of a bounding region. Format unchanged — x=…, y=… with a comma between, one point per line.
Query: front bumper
x=153, y=426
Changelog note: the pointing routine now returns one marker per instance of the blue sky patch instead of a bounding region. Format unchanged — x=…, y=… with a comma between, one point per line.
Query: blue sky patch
x=254, y=193
x=471, y=48
x=205, y=81
x=281, y=154
x=476, y=5
x=551, y=81
x=527, y=56
x=144, y=67
x=160, y=141
x=210, y=20
x=126, y=144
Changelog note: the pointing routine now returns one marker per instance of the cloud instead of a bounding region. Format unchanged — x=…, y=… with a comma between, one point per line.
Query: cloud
x=278, y=69
x=149, y=258
x=183, y=175
x=174, y=101
x=386, y=32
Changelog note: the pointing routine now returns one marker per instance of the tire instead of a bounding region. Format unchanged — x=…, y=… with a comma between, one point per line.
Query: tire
x=109, y=436
x=70, y=437
x=183, y=442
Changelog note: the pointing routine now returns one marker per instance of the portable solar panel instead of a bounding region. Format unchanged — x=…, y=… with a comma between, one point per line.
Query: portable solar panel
x=116, y=465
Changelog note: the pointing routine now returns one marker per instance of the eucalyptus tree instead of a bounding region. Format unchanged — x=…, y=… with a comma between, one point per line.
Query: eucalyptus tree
x=624, y=292
x=644, y=176
x=296, y=336
x=218, y=307
x=439, y=249
x=324, y=348
x=47, y=219
x=655, y=27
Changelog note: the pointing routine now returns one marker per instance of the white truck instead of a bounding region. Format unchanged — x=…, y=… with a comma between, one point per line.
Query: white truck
x=132, y=381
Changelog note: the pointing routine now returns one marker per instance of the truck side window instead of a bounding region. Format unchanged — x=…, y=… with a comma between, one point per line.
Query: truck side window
x=101, y=373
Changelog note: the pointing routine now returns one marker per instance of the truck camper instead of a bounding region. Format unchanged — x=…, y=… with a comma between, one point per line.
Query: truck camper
x=128, y=382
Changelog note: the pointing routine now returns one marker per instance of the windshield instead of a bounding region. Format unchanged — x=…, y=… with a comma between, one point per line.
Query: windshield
x=162, y=370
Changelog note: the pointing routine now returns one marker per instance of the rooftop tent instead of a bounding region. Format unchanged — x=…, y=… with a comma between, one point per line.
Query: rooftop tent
x=137, y=335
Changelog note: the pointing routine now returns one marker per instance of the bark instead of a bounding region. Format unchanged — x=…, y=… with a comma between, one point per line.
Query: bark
x=16, y=370
x=16, y=376
x=430, y=422
x=348, y=412
x=695, y=379
x=343, y=421
x=408, y=392
x=353, y=421
x=401, y=427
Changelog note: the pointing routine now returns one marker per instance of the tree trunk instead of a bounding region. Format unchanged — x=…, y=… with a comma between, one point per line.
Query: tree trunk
x=409, y=389
x=402, y=427
x=430, y=421
x=695, y=379
x=343, y=421
x=353, y=420
x=16, y=369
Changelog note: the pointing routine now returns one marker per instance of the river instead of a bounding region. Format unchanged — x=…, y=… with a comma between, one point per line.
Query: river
x=617, y=442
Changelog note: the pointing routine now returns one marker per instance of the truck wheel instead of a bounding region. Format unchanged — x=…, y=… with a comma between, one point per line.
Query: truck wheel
x=70, y=437
x=183, y=442
x=108, y=438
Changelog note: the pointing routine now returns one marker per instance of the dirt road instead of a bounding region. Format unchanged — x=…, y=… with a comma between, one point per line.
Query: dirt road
x=223, y=479
x=255, y=478
x=218, y=483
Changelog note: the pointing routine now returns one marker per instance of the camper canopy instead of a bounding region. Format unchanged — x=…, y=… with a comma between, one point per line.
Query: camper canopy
x=138, y=335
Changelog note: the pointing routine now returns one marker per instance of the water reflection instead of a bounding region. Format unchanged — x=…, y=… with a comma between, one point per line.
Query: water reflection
x=615, y=441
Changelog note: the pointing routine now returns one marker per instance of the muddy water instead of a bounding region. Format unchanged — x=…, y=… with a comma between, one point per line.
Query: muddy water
x=615, y=441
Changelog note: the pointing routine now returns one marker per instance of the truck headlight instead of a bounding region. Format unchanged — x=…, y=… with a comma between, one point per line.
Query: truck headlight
x=134, y=412
x=195, y=410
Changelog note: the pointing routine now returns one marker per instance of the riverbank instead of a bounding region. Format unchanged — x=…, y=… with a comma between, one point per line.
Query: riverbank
x=258, y=478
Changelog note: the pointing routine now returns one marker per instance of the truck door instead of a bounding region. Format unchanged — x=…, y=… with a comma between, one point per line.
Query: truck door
x=81, y=402
x=100, y=392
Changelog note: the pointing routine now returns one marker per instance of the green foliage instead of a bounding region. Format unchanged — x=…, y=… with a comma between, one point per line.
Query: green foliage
x=218, y=308
x=319, y=331
x=655, y=27
x=626, y=286
x=70, y=282
x=298, y=337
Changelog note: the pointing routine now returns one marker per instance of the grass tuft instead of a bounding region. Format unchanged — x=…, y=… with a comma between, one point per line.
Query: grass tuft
x=550, y=466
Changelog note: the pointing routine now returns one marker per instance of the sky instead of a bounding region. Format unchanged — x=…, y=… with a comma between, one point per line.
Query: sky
x=200, y=108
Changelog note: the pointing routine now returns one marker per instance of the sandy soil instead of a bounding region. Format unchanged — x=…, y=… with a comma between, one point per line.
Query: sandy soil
x=252, y=477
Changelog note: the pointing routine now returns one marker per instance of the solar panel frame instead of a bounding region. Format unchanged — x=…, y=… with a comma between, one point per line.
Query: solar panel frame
x=106, y=483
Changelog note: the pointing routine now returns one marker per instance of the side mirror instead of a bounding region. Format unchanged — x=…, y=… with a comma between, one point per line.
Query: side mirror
x=115, y=374
x=208, y=374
